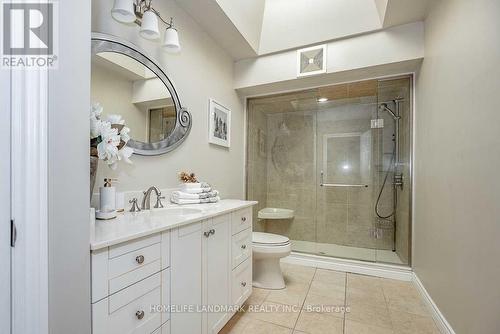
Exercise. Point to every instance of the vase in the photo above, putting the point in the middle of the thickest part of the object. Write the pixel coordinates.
(93, 171)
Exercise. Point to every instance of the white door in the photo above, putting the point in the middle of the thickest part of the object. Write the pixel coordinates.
(186, 279)
(5, 208)
(216, 271)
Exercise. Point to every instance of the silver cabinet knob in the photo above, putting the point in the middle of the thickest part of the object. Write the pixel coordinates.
(212, 231)
(139, 314)
(243, 284)
(243, 219)
(139, 259)
(243, 246)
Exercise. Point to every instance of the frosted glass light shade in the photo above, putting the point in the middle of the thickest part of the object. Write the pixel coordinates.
(149, 26)
(171, 41)
(123, 11)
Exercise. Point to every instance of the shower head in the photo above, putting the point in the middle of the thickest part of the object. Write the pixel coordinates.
(384, 107)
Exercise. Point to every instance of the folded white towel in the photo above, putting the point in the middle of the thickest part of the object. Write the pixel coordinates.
(185, 195)
(196, 190)
(185, 201)
(210, 200)
(194, 201)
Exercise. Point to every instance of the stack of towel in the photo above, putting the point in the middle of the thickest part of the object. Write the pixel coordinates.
(195, 193)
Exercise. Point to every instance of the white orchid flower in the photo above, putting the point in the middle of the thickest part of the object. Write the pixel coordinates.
(115, 119)
(96, 110)
(95, 127)
(107, 149)
(125, 153)
(124, 134)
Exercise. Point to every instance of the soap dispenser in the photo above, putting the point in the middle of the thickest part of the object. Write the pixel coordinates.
(107, 199)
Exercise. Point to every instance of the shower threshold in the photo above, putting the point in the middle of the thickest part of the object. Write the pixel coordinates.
(346, 252)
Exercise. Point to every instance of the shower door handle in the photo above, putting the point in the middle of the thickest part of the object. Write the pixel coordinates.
(321, 184)
(343, 185)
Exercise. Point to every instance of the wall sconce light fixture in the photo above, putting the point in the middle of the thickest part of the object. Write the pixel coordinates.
(142, 13)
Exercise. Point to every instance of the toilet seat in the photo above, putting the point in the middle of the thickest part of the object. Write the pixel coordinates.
(269, 239)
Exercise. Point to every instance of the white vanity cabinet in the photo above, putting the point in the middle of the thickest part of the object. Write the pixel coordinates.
(209, 247)
(184, 280)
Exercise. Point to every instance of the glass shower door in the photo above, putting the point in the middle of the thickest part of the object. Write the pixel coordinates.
(346, 152)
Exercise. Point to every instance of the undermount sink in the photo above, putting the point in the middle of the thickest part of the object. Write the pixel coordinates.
(276, 213)
(177, 211)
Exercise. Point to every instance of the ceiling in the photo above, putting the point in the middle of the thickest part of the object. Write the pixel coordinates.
(251, 28)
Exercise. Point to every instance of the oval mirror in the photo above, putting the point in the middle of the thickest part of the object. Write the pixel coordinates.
(128, 83)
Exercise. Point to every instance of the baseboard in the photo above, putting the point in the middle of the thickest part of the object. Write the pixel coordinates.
(352, 266)
(443, 325)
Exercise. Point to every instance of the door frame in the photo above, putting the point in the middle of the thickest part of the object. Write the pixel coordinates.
(5, 202)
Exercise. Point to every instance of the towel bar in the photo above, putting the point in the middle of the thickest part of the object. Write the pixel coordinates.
(343, 185)
(321, 184)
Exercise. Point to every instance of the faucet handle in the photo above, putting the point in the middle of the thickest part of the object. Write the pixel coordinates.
(159, 204)
(135, 207)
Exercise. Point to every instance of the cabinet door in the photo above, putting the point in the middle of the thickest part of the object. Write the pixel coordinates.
(186, 278)
(216, 271)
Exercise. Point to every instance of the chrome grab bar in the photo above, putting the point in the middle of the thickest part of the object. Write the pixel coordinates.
(321, 184)
(343, 185)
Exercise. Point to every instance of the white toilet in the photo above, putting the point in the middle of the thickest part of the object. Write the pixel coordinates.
(267, 250)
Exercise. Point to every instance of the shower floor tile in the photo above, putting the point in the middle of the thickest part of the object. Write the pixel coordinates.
(347, 252)
(368, 308)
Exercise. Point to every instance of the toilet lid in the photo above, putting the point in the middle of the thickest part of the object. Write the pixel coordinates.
(269, 239)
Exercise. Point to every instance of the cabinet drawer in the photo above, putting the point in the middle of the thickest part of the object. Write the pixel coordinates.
(241, 220)
(120, 266)
(130, 246)
(242, 282)
(129, 311)
(241, 247)
(134, 260)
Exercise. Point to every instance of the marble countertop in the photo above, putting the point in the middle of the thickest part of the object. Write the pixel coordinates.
(128, 226)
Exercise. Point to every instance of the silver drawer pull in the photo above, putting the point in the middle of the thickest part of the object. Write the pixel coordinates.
(139, 259)
(243, 219)
(243, 284)
(243, 246)
(139, 314)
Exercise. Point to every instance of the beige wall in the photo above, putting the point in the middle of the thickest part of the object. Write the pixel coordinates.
(201, 71)
(293, 24)
(247, 16)
(398, 44)
(457, 208)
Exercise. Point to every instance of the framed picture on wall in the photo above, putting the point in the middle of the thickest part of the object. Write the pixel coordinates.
(219, 124)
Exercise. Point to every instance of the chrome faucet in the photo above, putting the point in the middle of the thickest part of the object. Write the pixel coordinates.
(146, 200)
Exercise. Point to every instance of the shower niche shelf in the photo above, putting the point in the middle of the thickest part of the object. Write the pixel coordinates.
(276, 213)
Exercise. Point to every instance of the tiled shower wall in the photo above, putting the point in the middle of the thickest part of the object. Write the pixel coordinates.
(388, 90)
(257, 155)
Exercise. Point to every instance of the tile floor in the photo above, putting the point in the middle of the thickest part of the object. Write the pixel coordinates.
(312, 301)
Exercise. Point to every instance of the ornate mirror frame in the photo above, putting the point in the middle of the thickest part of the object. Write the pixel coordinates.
(109, 43)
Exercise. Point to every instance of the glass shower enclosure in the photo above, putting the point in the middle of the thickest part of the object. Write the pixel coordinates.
(340, 157)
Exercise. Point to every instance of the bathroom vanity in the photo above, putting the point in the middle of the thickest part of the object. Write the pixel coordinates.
(167, 270)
